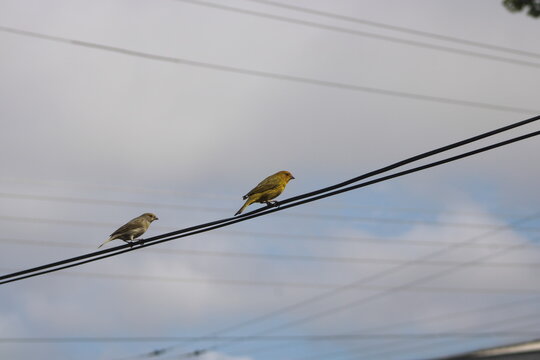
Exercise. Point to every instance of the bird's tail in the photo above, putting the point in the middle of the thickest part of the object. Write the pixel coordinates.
(246, 204)
(106, 241)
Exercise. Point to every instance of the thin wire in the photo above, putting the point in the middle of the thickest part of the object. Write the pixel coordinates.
(383, 351)
(281, 236)
(369, 298)
(137, 204)
(513, 344)
(361, 33)
(453, 315)
(337, 337)
(293, 285)
(534, 317)
(215, 196)
(327, 217)
(269, 75)
(397, 28)
(250, 215)
(362, 301)
(291, 257)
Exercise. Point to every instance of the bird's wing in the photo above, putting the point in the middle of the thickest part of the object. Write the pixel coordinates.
(269, 183)
(130, 226)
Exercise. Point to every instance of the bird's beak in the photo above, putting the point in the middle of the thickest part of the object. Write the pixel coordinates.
(292, 177)
(156, 218)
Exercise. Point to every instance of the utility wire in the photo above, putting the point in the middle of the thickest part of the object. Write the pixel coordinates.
(337, 337)
(383, 351)
(292, 257)
(295, 284)
(333, 292)
(371, 35)
(214, 196)
(366, 299)
(438, 319)
(270, 75)
(327, 217)
(426, 34)
(285, 204)
(529, 319)
(282, 236)
(138, 204)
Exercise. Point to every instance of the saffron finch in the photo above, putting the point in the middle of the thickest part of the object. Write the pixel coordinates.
(267, 189)
(133, 229)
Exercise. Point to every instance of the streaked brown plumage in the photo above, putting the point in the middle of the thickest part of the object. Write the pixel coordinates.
(267, 189)
(133, 229)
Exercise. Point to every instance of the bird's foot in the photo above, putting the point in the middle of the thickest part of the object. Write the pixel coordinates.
(273, 203)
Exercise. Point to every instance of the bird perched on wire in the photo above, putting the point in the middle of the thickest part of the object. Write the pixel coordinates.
(267, 189)
(133, 229)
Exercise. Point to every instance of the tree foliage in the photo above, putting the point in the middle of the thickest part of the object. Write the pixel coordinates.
(518, 5)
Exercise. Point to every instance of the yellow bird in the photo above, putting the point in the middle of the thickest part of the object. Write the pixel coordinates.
(133, 229)
(267, 189)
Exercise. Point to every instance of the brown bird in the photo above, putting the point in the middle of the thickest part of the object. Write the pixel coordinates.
(133, 229)
(267, 189)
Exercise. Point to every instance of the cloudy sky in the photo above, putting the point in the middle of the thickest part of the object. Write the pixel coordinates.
(179, 107)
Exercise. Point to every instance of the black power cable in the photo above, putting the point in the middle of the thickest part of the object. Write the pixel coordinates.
(303, 199)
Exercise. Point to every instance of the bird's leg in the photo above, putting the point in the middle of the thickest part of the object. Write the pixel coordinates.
(130, 243)
(272, 203)
(141, 241)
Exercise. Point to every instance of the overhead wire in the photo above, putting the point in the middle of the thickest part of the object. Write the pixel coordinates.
(301, 237)
(333, 337)
(409, 346)
(267, 74)
(291, 257)
(438, 319)
(293, 284)
(401, 29)
(515, 322)
(214, 196)
(366, 34)
(362, 301)
(139, 204)
(284, 204)
(432, 276)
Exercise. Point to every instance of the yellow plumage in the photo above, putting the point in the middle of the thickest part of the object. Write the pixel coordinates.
(266, 190)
